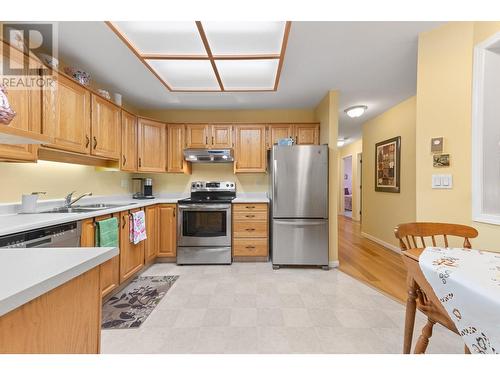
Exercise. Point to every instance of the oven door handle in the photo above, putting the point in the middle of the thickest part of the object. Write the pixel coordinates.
(205, 207)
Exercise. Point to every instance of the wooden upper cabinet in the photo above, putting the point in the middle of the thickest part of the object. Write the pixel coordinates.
(66, 115)
(306, 134)
(128, 161)
(197, 136)
(151, 146)
(106, 128)
(250, 148)
(167, 230)
(277, 132)
(175, 148)
(221, 136)
(27, 105)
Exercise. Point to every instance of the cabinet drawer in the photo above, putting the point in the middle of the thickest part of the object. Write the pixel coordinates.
(254, 247)
(249, 207)
(250, 229)
(250, 215)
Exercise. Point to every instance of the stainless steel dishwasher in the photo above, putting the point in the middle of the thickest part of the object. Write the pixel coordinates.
(61, 235)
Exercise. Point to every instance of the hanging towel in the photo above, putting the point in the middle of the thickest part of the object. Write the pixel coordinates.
(138, 227)
(106, 234)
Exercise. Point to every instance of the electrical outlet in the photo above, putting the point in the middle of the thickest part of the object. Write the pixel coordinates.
(124, 183)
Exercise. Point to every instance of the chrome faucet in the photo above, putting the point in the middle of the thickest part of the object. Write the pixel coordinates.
(69, 202)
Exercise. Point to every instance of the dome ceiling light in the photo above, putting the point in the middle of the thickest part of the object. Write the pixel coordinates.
(356, 111)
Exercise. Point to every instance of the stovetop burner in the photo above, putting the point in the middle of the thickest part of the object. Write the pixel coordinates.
(206, 200)
(208, 192)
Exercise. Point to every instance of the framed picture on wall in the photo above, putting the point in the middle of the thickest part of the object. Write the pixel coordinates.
(388, 165)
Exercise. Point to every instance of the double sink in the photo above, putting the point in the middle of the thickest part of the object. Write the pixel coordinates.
(84, 208)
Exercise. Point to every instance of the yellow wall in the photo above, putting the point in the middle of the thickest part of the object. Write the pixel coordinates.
(383, 211)
(352, 149)
(326, 113)
(57, 179)
(444, 108)
(251, 115)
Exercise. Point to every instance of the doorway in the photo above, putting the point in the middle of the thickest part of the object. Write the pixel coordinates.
(359, 185)
(347, 185)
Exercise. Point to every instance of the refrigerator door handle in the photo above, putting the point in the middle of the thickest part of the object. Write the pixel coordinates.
(275, 184)
(296, 222)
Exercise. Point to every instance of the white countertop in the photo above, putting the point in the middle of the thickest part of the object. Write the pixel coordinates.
(26, 274)
(251, 198)
(11, 222)
(14, 222)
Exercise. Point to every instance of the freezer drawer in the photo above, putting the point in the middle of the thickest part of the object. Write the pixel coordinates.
(300, 242)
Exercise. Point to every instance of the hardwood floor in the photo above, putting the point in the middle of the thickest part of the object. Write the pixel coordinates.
(370, 262)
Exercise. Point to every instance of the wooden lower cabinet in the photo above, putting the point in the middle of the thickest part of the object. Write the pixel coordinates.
(109, 270)
(131, 255)
(250, 231)
(167, 217)
(66, 320)
(151, 243)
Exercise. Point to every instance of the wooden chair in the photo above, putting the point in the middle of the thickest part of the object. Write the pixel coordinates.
(420, 293)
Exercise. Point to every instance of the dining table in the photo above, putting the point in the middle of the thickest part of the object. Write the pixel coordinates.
(464, 287)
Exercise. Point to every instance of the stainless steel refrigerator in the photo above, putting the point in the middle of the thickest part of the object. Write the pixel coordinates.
(299, 205)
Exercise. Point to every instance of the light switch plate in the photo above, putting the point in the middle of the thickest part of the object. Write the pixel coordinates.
(124, 183)
(442, 181)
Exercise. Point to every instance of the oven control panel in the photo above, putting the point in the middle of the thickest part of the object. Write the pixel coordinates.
(213, 186)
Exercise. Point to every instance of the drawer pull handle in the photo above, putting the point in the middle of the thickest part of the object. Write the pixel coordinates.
(250, 216)
(250, 247)
(250, 229)
(250, 207)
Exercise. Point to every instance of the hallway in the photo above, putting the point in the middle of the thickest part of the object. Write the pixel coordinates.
(370, 262)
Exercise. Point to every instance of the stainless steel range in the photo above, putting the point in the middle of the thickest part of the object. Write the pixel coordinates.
(204, 223)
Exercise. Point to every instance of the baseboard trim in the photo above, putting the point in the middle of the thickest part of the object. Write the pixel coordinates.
(380, 242)
(333, 264)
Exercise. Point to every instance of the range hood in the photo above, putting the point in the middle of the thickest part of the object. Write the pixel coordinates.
(200, 155)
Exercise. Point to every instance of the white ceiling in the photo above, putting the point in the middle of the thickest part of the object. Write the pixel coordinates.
(371, 63)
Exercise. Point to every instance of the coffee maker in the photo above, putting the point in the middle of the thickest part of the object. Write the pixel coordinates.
(142, 188)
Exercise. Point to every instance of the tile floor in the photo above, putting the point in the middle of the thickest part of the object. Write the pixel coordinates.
(250, 308)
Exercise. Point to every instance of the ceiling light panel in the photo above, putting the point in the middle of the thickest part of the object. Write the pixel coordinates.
(196, 75)
(248, 74)
(167, 38)
(244, 38)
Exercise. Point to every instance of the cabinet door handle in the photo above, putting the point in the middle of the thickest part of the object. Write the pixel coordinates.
(124, 160)
(212, 140)
(123, 220)
(140, 162)
(95, 142)
(206, 140)
(88, 141)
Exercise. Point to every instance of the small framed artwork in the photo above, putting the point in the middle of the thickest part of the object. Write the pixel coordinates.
(441, 160)
(388, 165)
(437, 144)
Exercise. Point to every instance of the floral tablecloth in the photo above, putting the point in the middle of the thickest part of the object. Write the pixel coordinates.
(467, 282)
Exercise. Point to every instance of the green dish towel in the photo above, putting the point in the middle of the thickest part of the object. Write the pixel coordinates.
(106, 233)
